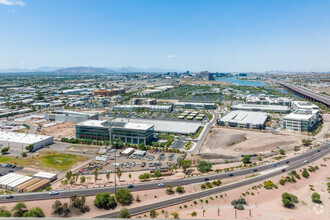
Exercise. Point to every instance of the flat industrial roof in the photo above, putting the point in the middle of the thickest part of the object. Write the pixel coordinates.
(92, 123)
(262, 107)
(301, 114)
(22, 137)
(137, 126)
(245, 117)
(164, 126)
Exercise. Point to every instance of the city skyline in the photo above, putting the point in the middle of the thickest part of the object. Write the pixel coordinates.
(222, 36)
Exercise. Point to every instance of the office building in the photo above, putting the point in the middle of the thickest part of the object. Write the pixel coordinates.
(261, 108)
(304, 105)
(134, 133)
(151, 108)
(301, 120)
(70, 116)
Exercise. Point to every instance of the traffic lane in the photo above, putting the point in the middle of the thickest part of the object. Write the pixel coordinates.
(182, 199)
(139, 187)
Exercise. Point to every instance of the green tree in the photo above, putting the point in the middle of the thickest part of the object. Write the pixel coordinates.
(82, 179)
(57, 207)
(104, 200)
(24, 154)
(180, 189)
(96, 173)
(289, 200)
(124, 213)
(5, 150)
(316, 198)
(282, 151)
(107, 175)
(153, 213)
(157, 174)
(306, 142)
(185, 164)
(19, 209)
(305, 173)
(68, 175)
(34, 212)
(124, 196)
(204, 166)
(29, 148)
(246, 159)
(4, 212)
(119, 173)
(130, 175)
(144, 176)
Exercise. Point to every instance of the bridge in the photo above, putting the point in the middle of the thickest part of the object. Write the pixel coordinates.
(307, 94)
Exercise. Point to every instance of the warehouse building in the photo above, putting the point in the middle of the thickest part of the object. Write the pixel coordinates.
(134, 133)
(70, 116)
(167, 126)
(44, 175)
(244, 119)
(21, 140)
(12, 185)
(301, 120)
(151, 108)
(268, 100)
(38, 185)
(127, 151)
(20, 188)
(194, 105)
(261, 108)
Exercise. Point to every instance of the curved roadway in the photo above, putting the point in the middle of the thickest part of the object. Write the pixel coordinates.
(310, 155)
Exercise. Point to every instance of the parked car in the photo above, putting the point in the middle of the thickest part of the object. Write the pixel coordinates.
(53, 193)
(10, 171)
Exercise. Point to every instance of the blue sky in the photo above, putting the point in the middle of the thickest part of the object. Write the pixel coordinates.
(214, 35)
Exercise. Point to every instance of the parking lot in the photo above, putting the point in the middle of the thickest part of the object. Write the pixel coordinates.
(8, 168)
(174, 115)
(149, 161)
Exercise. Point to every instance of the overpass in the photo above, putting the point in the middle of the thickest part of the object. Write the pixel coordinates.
(307, 94)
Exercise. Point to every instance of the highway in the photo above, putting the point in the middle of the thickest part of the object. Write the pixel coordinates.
(309, 94)
(310, 155)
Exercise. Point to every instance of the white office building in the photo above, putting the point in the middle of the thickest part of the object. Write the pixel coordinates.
(301, 120)
(244, 119)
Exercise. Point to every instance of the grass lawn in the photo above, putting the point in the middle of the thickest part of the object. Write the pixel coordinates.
(46, 159)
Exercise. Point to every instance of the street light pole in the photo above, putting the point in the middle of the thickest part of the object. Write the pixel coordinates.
(115, 145)
(159, 156)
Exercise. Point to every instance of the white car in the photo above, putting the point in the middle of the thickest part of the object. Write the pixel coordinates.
(161, 184)
(306, 161)
(53, 193)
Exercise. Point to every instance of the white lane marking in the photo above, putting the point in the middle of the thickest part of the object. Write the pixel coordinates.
(273, 170)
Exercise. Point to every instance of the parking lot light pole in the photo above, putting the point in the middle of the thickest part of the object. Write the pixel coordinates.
(159, 156)
(115, 145)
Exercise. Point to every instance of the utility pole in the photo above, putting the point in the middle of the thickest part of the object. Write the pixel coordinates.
(115, 145)
(159, 155)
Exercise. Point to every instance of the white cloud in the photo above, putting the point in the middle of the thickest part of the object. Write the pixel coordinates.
(12, 2)
(170, 56)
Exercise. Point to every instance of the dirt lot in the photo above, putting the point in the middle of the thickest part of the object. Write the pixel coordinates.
(60, 130)
(221, 141)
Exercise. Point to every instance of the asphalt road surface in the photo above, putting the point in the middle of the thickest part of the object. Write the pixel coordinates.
(310, 155)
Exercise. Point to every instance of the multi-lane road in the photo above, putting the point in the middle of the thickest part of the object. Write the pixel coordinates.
(292, 163)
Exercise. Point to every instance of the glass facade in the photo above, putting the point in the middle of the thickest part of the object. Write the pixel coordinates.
(93, 133)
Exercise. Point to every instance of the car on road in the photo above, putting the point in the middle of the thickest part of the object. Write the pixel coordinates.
(255, 170)
(274, 165)
(318, 150)
(53, 193)
(9, 197)
(10, 171)
(231, 174)
(206, 179)
(283, 170)
(161, 184)
(287, 161)
(130, 186)
(306, 161)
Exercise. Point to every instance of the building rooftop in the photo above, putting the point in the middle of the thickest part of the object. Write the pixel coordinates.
(301, 114)
(264, 107)
(245, 117)
(22, 137)
(137, 126)
(92, 123)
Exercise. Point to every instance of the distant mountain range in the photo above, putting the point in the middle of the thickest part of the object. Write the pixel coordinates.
(86, 70)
